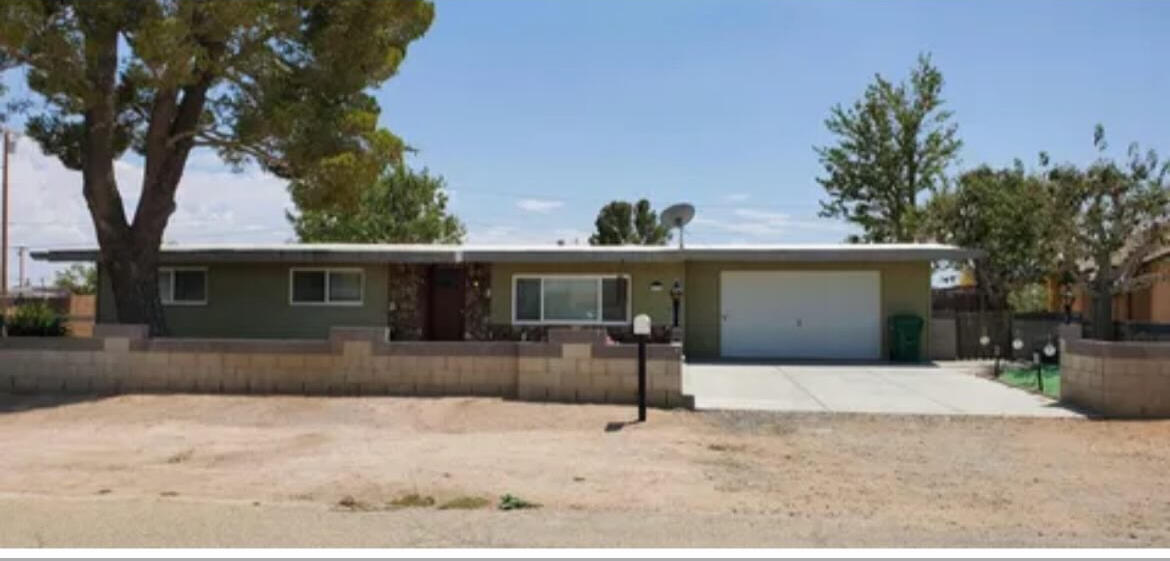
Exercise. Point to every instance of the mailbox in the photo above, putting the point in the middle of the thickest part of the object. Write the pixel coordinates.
(641, 324)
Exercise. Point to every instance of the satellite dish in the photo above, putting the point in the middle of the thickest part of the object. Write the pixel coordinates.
(677, 216)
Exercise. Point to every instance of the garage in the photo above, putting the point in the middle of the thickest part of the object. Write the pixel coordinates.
(800, 314)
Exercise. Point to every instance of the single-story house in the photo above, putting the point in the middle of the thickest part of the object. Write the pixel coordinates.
(775, 301)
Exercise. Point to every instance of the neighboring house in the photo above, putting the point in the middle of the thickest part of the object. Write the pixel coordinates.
(1147, 302)
(783, 301)
(78, 309)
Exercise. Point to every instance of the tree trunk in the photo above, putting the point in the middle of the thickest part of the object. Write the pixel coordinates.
(130, 251)
(133, 272)
(1103, 313)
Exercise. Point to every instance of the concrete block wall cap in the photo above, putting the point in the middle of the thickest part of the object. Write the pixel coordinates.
(578, 334)
(134, 331)
(1119, 349)
(358, 333)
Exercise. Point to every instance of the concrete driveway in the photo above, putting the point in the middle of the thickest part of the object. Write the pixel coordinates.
(932, 389)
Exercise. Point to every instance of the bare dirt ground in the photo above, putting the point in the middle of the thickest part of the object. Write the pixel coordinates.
(271, 471)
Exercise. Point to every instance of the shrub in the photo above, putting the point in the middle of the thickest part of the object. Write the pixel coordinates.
(512, 502)
(35, 319)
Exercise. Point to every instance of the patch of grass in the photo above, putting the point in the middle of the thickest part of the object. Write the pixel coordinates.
(512, 502)
(726, 447)
(181, 457)
(348, 502)
(413, 500)
(465, 503)
(1026, 378)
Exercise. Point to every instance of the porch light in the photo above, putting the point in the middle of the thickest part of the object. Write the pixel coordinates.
(676, 293)
(1067, 298)
(656, 286)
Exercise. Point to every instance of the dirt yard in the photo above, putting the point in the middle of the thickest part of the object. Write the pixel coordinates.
(289, 471)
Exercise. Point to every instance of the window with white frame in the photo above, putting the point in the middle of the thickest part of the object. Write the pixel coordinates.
(571, 299)
(341, 287)
(182, 285)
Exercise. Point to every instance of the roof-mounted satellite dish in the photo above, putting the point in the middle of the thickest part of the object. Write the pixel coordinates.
(677, 216)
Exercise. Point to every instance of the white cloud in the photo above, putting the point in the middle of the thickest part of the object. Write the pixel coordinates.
(500, 234)
(212, 206)
(539, 205)
(737, 197)
(762, 225)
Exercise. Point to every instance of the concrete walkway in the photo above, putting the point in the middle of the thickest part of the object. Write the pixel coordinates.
(949, 389)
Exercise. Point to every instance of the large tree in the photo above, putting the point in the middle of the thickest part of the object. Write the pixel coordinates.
(1111, 217)
(281, 84)
(1007, 213)
(893, 144)
(403, 206)
(622, 223)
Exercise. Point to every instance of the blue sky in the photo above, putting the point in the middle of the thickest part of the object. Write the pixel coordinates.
(537, 113)
(720, 103)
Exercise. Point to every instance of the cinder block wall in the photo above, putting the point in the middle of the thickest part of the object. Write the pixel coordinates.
(573, 366)
(1116, 378)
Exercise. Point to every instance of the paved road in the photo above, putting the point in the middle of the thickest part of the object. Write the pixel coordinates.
(944, 390)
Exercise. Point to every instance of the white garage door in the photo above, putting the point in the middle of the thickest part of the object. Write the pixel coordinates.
(801, 314)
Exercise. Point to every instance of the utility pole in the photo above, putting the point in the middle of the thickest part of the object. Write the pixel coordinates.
(23, 252)
(4, 220)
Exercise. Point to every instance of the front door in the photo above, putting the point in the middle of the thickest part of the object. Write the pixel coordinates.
(446, 305)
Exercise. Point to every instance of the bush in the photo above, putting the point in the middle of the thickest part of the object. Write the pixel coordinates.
(35, 319)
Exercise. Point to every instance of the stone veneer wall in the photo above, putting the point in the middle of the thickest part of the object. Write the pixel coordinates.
(1116, 378)
(573, 366)
(406, 319)
(477, 302)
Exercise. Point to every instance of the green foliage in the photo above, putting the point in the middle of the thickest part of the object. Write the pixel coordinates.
(77, 279)
(284, 85)
(35, 319)
(620, 223)
(1025, 377)
(1109, 217)
(512, 502)
(1007, 213)
(895, 143)
(402, 206)
(1029, 298)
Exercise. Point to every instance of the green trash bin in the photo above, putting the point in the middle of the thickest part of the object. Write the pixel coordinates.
(906, 338)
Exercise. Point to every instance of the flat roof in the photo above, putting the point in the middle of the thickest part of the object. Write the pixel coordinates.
(332, 253)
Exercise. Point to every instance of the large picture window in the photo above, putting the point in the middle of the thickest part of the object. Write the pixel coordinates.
(338, 287)
(571, 299)
(182, 285)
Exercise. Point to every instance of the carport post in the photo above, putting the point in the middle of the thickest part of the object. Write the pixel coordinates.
(642, 331)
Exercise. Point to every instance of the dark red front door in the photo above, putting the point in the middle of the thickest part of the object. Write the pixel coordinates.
(446, 305)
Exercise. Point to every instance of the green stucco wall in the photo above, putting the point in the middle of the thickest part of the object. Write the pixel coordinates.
(252, 301)
(905, 288)
(656, 304)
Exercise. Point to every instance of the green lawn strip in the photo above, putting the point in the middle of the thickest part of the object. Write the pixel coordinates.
(1026, 378)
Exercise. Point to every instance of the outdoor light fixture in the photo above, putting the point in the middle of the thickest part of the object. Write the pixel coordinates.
(656, 286)
(676, 293)
(1067, 297)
